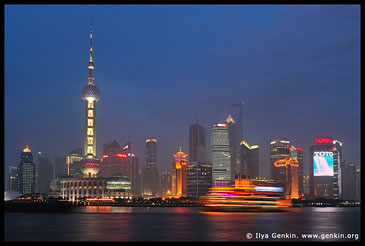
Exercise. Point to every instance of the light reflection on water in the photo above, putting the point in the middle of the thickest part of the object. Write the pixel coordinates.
(109, 223)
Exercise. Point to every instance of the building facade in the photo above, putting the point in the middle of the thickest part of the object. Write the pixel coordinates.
(26, 173)
(297, 153)
(337, 172)
(73, 160)
(179, 174)
(250, 160)
(150, 172)
(286, 172)
(45, 172)
(197, 145)
(235, 131)
(13, 178)
(321, 167)
(60, 166)
(165, 184)
(199, 178)
(220, 154)
(279, 149)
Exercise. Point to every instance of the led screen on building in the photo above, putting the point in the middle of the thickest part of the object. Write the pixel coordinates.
(323, 163)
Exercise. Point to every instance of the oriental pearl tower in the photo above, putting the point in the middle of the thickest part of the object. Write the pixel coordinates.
(90, 164)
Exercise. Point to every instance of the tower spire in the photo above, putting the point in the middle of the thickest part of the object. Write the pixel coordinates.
(91, 62)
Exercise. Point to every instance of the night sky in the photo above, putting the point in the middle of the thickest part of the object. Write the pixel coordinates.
(295, 67)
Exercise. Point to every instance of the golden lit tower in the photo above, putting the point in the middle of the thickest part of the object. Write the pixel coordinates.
(90, 164)
(178, 175)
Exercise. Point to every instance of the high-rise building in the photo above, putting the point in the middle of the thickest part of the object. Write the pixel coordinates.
(150, 172)
(220, 155)
(60, 166)
(321, 167)
(13, 178)
(26, 172)
(73, 160)
(235, 131)
(358, 185)
(90, 164)
(337, 172)
(197, 150)
(250, 160)
(306, 185)
(279, 149)
(117, 160)
(297, 153)
(286, 172)
(199, 178)
(45, 172)
(349, 188)
(166, 184)
(179, 174)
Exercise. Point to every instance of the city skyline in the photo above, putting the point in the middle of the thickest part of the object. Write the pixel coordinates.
(166, 111)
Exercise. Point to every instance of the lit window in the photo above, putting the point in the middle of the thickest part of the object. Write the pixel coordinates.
(91, 113)
(89, 140)
(90, 122)
(90, 131)
(90, 105)
(89, 149)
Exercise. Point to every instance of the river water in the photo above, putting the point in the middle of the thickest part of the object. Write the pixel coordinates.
(92, 223)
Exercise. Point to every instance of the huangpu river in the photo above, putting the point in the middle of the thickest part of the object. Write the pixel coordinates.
(108, 223)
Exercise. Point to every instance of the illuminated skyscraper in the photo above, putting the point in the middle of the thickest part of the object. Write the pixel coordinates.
(358, 184)
(90, 164)
(297, 153)
(286, 172)
(349, 189)
(178, 174)
(26, 173)
(337, 172)
(197, 150)
(117, 160)
(150, 173)
(73, 160)
(321, 167)
(220, 154)
(250, 160)
(279, 149)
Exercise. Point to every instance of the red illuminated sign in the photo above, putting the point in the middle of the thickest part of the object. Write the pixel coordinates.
(105, 156)
(323, 140)
(122, 155)
(299, 149)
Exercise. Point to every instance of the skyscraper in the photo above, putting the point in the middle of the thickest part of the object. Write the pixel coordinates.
(220, 154)
(26, 172)
(250, 160)
(286, 172)
(13, 178)
(321, 167)
(199, 178)
(165, 184)
(358, 184)
(60, 166)
(90, 164)
(150, 173)
(297, 153)
(337, 177)
(350, 182)
(179, 174)
(235, 129)
(197, 150)
(73, 160)
(45, 172)
(279, 149)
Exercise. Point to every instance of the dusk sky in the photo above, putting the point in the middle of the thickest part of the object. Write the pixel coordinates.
(295, 67)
